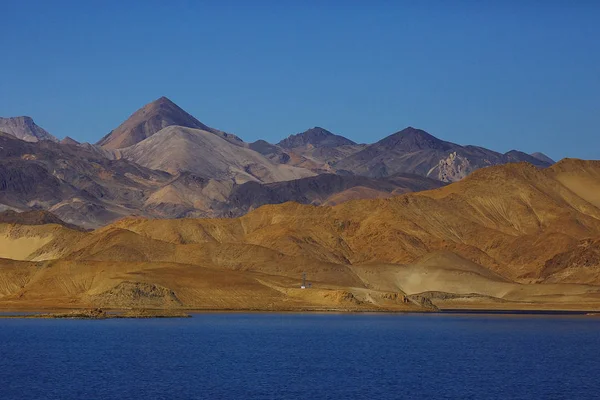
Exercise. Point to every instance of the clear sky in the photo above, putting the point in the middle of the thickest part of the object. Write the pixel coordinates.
(500, 74)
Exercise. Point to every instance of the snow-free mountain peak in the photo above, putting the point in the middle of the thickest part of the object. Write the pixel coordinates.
(25, 129)
(317, 137)
(148, 120)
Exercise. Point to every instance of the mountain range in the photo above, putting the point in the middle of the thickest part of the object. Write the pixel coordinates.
(164, 163)
(167, 212)
(509, 237)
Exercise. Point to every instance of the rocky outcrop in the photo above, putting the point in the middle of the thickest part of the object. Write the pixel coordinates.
(342, 297)
(580, 263)
(453, 168)
(422, 301)
(137, 294)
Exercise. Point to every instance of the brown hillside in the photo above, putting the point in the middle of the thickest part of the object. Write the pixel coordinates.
(511, 219)
(511, 236)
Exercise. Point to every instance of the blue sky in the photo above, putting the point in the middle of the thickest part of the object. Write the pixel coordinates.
(500, 74)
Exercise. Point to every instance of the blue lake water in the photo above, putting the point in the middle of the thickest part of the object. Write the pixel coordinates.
(303, 356)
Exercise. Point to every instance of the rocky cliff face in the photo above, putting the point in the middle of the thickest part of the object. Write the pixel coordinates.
(452, 169)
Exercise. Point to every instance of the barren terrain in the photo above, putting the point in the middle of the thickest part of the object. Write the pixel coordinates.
(506, 237)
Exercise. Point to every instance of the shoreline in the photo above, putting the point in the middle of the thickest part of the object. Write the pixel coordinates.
(98, 314)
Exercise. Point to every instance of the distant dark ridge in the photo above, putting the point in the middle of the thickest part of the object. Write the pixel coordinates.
(315, 136)
(314, 189)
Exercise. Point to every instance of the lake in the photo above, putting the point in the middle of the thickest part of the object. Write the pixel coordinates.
(308, 356)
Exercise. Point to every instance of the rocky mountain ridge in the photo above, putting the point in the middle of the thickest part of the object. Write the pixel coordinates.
(416, 151)
(163, 162)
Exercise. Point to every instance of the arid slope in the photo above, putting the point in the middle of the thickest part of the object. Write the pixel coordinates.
(512, 236)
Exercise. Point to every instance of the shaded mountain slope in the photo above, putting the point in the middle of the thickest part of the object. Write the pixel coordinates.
(319, 189)
(189, 195)
(279, 155)
(543, 157)
(78, 185)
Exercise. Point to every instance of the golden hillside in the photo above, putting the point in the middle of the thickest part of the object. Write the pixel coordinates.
(501, 238)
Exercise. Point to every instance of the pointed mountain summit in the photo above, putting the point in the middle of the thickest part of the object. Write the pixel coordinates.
(417, 152)
(148, 120)
(519, 156)
(25, 129)
(410, 140)
(317, 137)
(69, 140)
